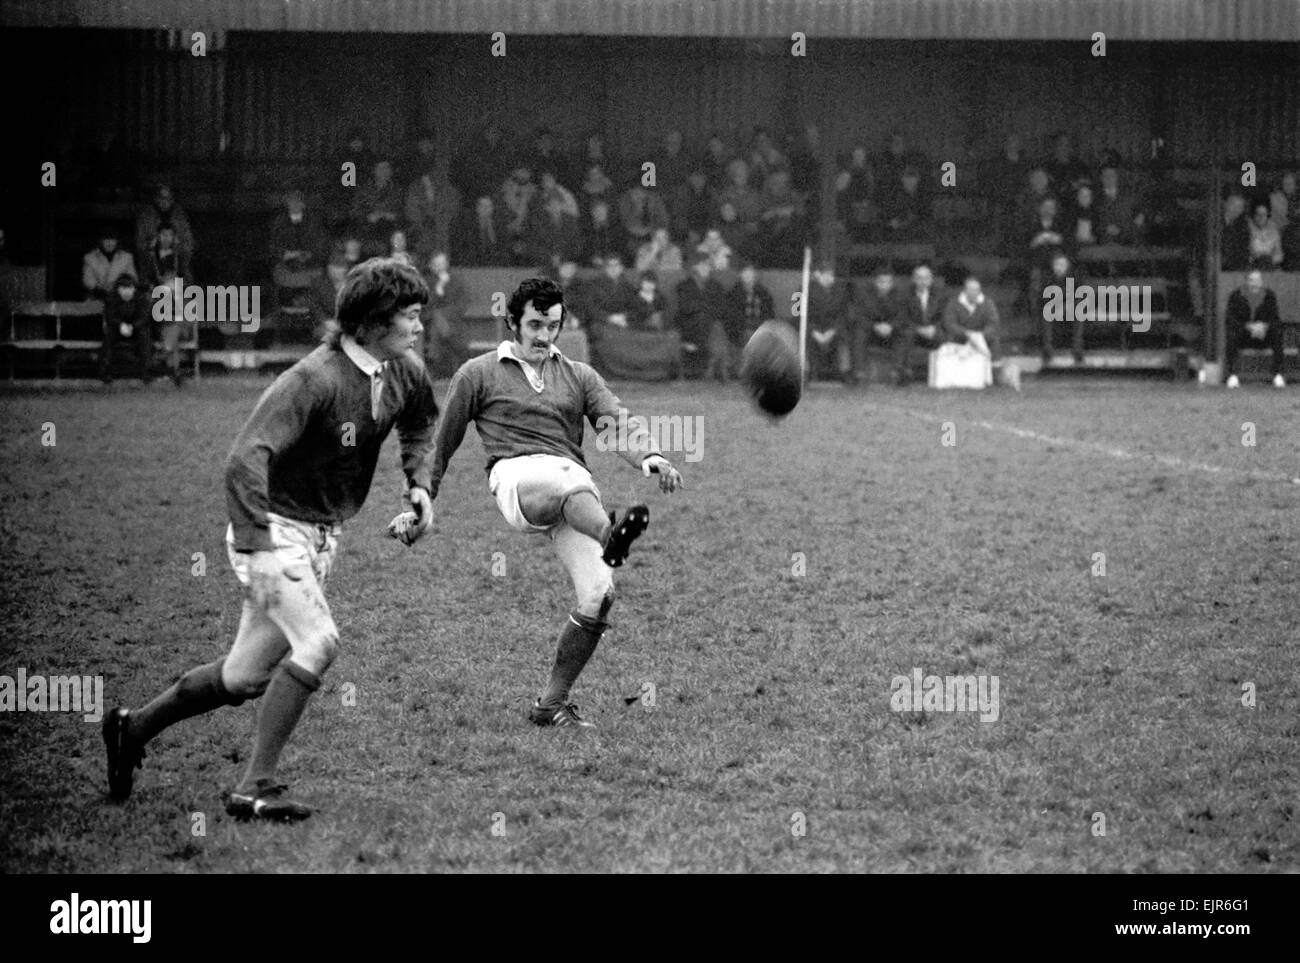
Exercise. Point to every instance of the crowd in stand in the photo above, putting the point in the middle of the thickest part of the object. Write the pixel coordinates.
(715, 212)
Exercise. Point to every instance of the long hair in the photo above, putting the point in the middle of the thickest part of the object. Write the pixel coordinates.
(374, 291)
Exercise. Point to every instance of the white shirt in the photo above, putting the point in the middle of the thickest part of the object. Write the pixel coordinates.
(370, 366)
(506, 350)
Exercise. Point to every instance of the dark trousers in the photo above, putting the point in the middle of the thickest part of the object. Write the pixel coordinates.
(141, 337)
(1239, 337)
(911, 348)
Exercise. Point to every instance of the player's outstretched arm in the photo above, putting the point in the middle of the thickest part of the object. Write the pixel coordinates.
(670, 479)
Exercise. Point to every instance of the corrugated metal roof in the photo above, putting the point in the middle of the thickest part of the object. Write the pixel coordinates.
(1269, 20)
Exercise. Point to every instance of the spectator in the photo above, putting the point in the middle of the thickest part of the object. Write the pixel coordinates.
(126, 318)
(325, 293)
(478, 237)
(338, 196)
(545, 154)
(1252, 321)
(879, 330)
(896, 157)
(1284, 202)
(356, 150)
(399, 248)
(717, 158)
(432, 205)
(596, 186)
(1084, 227)
(1234, 243)
(1265, 239)
(377, 207)
(425, 158)
(751, 302)
(609, 296)
(1059, 272)
(905, 208)
(516, 202)
(854, 188)
(1004, 175)
(164, 260)
(735, 239)
(296, 245)
(640, 214)
(646, 310)
(104, 264)
(592, 153)
(443, 316)
(764, 156)
(744, 200)
(1119, 219)
(599, 231)
(829, 324)
(921, 317)
(352, 250)
(716, 249)
(692, 207)
(1064, 169)
(671, 166)
(806, 167)
(163, 210)
(971, 318)
(659, 254)
(702, 312)
(1046, 235)
(553, 228)
(781, 224)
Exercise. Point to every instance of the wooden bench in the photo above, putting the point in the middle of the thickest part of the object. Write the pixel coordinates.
(62, 326)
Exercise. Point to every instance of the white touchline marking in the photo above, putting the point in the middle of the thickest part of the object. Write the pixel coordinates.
(1169, 461)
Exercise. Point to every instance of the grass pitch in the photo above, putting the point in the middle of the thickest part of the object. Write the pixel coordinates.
(765, 614)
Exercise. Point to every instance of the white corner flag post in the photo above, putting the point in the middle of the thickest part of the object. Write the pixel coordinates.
(803, 317)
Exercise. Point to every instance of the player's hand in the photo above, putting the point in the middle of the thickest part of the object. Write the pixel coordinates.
(265, 570)
(670, 479)
(422, 505)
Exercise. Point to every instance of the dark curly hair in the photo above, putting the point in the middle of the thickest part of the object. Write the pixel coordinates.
(542, 293)
(375, 290)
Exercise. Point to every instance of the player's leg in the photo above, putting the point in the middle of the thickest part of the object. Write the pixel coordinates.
(593, 583)
(557, 490)
(300, 612)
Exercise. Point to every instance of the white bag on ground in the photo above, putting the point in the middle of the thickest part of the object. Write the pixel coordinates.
(960, 366)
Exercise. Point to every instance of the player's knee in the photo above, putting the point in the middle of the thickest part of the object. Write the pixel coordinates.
(241, 684)
(597, 600)
(320, 654)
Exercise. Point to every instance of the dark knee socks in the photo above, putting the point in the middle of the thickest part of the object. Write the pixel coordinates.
(197, 691)
(578, 640)
(282, 706)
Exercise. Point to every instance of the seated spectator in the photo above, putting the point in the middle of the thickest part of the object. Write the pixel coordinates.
(640, 214)
(1061, 269)
(1119, 218)
(854, 188)
(1025, 208)
(1084, 229)
(922, 316)
(692, 208)
(399, 248)
(425, 158)
(553, 225)
(593, 153)
(806, 165)
(1003, 176)
(897, 157)
(478, 236)
(671, 165)
(126, 318)
(1284, 202)
(432, 205)
(164, 261)
(781, 223)
(659, 254)
(1252, 321)
(905, 208)
(599, 231)
(163, 210)
(609, 296)
(1064, 169)
(702, 315)
(751, 302)
(1234, 243)
(545, 154)
(515, 203)
(596, 186)
(1046, 235)
(735, 239)
(1265, 240)
(377, 207)
(716, 249)
(352, 250)
(325, 292)
(647, 307)
(763, 156)
(295, 247)
(880, 327)
(717, 158)
(745, 201)
(445, 345)
(104, 264)
(829, 325)
(971, 318)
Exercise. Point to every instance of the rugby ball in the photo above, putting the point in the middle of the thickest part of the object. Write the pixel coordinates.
(769, 368)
